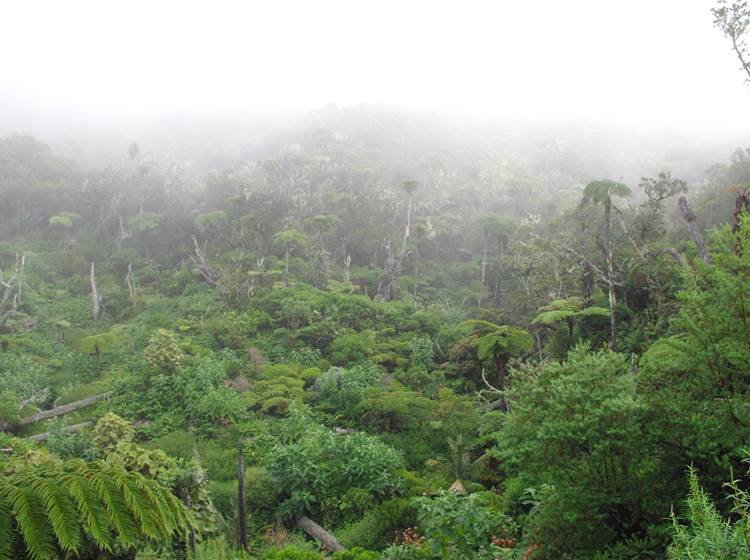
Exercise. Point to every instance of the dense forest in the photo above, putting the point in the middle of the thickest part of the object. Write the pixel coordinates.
(376, 335)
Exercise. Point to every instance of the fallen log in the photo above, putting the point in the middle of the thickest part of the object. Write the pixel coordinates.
(61, 410)
(44, 436)
(319, 534)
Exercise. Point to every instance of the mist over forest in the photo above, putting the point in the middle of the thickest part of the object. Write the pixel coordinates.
(356, 281)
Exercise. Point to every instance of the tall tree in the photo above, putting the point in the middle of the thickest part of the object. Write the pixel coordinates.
(289, 240)
(600, 193)
(733, 20)
(394, 262)
(496, 229)
(496, 345)
(322, 224)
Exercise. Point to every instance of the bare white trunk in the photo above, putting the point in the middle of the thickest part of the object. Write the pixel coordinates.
(95, 299)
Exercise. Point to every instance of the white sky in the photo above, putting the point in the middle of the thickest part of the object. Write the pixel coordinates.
(640, 61)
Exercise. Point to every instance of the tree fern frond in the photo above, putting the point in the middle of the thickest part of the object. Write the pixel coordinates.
(52, 510)
(553, 316)
(32, 523)
(117, 511)
(60, 510)
(6, 524)
(91, 511)
(593, 312)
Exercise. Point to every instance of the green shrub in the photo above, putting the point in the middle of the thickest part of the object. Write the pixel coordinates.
(110, 430)
(310, 470)
(356, 554)
(292, 552)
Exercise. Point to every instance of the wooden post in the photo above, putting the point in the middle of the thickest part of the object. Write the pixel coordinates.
(241, 495)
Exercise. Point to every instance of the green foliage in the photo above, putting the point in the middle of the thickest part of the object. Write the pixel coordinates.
(64, 219)
(342, 389)
(96, 344)
(9, 409)
(586, 455)
(210, 220)
(495, 341)
(50, 509)
(420, 352)
(396, 411)
(291, 238)
(217, 549)
(461, 526)
(110, 430)
(406, 552)
(163, 351)
(356, 554)
(569, 308)
(351, 348)
(310, 472)
(707, 535)
(601, 192)
(144, 222)
(291, 553)
(70, 445)
(578, 426)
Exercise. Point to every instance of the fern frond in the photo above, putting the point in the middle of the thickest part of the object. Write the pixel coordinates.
(53, 510)
(117, 511)
(32, 523)
(60, 510)
(90, 509)
(6, 523)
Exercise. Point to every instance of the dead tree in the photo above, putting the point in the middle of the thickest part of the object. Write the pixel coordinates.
(96, 300)
(209, 274)
(130, 280)
(62, 410)
(689, 216)
(347, 265)
(12, 290)
(390, 278)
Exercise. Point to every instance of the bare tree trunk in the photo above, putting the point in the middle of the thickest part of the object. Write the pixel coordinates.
(347, 264)
(62, 410)
(209, 275)
(407, 229)
(689, 216)
(497, 292)
(10, 299)
(416, 283)
(20, 266)
(130, 280)
(484, 260)
(484, 268)
(319, 534)
(44, 436)
(610, 275)
(390, 278)
(286, 267)
(95, 299)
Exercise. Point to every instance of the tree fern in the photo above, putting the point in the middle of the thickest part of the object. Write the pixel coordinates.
(47, 510)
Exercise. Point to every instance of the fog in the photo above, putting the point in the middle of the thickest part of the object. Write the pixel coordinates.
(94, 73)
